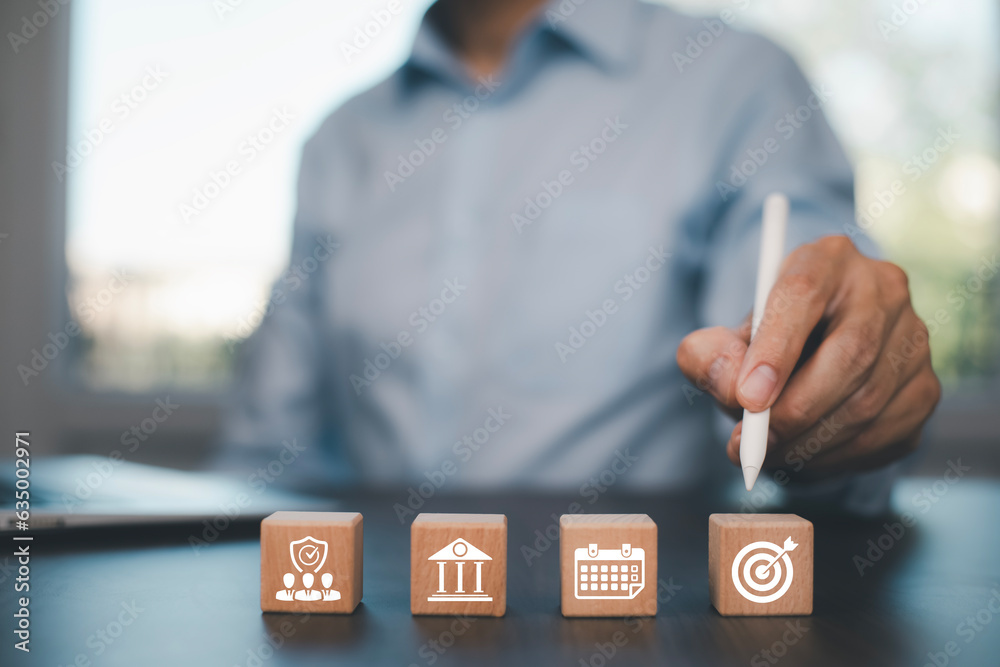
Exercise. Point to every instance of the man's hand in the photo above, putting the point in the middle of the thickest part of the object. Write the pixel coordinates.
(840, 357)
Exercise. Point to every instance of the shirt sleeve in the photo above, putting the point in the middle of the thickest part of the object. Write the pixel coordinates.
(782, 142)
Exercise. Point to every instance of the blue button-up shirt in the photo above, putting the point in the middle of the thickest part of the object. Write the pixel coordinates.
(490, 277)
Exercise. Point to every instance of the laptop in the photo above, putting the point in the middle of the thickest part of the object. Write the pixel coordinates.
(94, 491)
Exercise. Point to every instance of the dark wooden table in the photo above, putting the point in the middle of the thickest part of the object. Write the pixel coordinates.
(143, 597)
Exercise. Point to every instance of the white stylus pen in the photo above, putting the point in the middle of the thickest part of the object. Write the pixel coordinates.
(753, 440)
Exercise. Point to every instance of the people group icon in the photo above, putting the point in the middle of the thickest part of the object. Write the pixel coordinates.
(308, 553)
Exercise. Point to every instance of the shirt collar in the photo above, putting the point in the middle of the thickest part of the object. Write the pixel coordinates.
(430, 54)
(601, 30)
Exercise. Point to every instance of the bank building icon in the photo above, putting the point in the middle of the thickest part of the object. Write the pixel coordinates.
(460, 566)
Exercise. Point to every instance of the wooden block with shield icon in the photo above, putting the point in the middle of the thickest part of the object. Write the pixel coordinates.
(311, 562)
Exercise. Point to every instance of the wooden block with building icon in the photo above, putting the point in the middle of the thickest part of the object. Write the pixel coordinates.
(458, 564)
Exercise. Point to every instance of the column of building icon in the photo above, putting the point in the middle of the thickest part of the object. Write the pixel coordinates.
(758, 564)
(459, 552)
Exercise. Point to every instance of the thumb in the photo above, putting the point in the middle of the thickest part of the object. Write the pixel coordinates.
(711, 359)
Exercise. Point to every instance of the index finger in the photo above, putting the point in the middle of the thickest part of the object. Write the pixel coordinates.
(797, 302)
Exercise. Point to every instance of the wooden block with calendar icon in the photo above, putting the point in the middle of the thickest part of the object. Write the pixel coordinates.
(607, 564)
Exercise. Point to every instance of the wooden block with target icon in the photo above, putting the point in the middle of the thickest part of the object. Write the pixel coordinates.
(311, 562)
(760, 564)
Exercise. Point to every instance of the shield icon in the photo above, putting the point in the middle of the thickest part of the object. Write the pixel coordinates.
(308, 554)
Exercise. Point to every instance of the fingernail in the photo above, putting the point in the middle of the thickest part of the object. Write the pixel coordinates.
(757, 388)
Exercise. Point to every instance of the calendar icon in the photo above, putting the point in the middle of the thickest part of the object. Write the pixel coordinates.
(609, 574)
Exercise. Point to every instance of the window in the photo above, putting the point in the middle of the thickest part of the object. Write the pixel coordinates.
(186, 121)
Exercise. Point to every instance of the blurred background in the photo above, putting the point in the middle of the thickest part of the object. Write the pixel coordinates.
(119, 117)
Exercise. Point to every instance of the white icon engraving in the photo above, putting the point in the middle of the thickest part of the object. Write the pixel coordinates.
(288, 594)
(308, 555)
(460, 552)
(308, 595)
(328, 593)
(752, 565)
(609, 574)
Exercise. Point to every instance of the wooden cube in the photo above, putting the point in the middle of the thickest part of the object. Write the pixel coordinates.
(458, 564)
(607, 564)
(760, 564)
(311, 562)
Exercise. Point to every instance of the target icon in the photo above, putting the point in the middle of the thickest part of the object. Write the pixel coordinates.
(765, 569)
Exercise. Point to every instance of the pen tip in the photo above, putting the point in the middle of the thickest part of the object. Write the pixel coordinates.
(750, 476)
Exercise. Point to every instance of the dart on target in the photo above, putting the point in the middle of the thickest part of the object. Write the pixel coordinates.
(762, 571)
